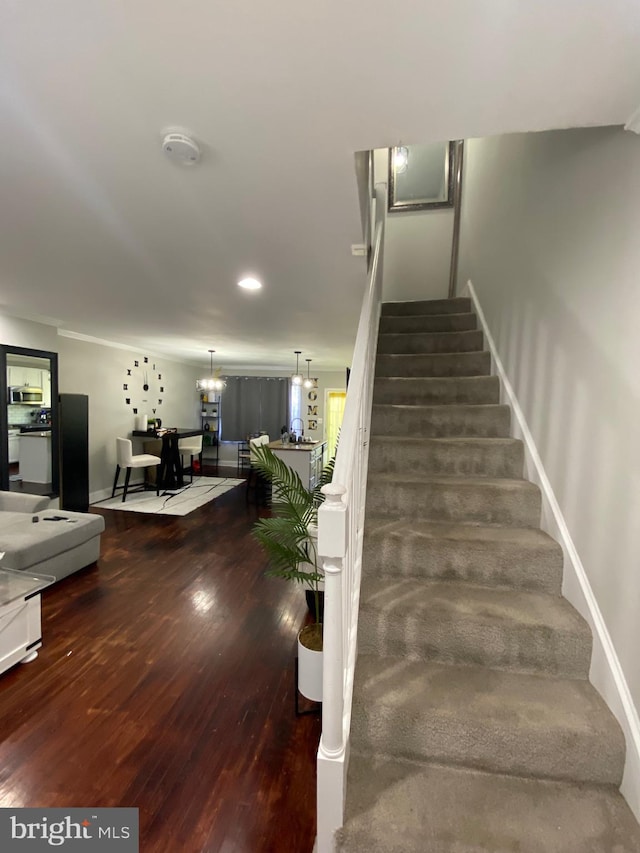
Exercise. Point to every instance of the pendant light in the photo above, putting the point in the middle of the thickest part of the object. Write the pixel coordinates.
(214, 382)
(297, 378)
(308, 382)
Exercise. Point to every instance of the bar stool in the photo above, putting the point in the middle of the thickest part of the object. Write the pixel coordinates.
(244, 456)
(190, 446)
(126, 459)
(257, 483)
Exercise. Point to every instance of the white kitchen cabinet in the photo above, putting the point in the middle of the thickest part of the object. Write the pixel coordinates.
(45, 384)
(14, 447)
(35, 457)
(306, 459)
(20, 376)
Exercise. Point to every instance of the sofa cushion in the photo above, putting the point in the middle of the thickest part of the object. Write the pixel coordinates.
(9, 520)
(20, 502)
(26, 543)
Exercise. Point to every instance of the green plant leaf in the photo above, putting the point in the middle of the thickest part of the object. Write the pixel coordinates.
(285, 536)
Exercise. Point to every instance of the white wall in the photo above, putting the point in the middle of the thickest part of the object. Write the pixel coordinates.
(101, 371)
(417, 251)
(25, 333)
(550, 243)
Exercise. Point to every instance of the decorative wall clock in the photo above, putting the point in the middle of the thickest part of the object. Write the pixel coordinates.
(143, 387)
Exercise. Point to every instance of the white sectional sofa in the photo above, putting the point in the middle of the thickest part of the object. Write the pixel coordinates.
(46, 541)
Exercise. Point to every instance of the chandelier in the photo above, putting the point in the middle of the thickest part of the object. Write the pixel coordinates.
(214, 382)
(297, 378)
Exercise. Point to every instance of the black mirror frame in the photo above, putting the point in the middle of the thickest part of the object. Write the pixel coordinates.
(6, 349)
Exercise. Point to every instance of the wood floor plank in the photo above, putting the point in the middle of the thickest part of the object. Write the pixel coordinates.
(166, 682)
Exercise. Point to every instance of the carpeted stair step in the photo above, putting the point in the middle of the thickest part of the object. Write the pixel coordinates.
(430, 342)
(457, 305)
(435, 364)
(512, 503)
(459, 623)
(428, 323)
(492, 556)
(463, 322)
(403, 807)
(468, 457)
(457, 419)
(487, 719)
(406, 390)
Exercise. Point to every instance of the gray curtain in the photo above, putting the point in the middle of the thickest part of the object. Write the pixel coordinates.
(254, 404)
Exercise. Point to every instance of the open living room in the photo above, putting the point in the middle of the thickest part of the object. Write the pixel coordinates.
(319, 401)
(160, 673)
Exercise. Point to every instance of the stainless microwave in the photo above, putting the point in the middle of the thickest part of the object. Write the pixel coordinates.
(25, 394)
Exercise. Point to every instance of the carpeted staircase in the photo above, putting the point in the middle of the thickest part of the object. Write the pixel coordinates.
(474, 729)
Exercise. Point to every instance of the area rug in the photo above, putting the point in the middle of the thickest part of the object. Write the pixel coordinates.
(175, 501)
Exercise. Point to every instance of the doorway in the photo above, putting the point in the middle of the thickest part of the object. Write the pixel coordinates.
(29, 421)
(334, 408)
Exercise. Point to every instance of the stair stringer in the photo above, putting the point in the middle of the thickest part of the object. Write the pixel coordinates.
(605, 673)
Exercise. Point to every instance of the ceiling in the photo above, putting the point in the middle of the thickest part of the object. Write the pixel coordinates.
(101, 235)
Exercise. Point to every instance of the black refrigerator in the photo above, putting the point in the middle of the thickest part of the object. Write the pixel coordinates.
(73, 438)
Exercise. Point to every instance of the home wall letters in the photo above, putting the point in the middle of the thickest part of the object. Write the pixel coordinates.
(312, 406)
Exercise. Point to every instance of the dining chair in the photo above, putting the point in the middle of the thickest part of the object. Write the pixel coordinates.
(244, 456)
(257, 484)
(190, 446)
(126, 460)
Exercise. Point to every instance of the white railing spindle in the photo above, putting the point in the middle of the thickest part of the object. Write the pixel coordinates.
(340, 535)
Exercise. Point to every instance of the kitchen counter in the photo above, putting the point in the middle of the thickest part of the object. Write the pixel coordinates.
(303, 445)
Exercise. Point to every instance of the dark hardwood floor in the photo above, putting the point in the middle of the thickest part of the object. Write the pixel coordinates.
(166, 682)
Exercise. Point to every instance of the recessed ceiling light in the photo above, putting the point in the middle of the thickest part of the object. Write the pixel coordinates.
(250, 283)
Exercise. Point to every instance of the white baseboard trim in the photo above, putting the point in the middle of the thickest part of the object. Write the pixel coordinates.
(605, 674)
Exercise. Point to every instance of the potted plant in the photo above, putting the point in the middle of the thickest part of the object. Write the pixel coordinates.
(289, 538)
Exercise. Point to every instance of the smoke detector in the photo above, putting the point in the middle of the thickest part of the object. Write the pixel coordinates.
(180, 148)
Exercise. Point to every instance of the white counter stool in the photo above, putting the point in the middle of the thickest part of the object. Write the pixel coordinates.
(126, 459)
(190, 446)
(257, 483)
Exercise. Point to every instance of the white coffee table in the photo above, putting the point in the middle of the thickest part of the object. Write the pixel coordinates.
(20, 625)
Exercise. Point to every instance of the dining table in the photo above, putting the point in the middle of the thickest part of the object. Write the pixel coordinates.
(170, 474)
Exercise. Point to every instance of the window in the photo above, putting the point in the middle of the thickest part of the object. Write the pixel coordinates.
(295, 407)
(253, 404)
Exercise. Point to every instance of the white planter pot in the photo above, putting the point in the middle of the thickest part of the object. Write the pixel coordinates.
(309, 669)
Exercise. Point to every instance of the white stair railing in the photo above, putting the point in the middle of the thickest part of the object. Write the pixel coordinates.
(340, 533)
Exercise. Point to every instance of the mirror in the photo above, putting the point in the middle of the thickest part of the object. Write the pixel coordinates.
(421, 176)
(28, 421)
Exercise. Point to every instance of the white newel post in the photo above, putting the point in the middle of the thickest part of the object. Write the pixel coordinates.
(332, 539)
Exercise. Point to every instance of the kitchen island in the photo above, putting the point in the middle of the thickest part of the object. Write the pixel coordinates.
(35, 457)
(306, 458)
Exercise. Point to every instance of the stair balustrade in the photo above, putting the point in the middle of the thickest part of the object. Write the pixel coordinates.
(340, 536)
